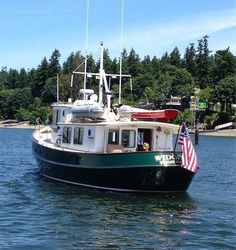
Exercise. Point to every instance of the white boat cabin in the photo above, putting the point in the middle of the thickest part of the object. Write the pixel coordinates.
(108, 136)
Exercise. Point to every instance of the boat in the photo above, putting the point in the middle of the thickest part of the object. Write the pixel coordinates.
(166, 115)
(87, 107)
(93, 143)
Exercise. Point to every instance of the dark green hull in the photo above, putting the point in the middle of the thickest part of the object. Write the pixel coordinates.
(130, 172)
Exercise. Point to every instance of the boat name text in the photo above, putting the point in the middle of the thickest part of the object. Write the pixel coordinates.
(170, 159)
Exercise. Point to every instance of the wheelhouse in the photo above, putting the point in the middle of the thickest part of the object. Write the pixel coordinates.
(111, 137)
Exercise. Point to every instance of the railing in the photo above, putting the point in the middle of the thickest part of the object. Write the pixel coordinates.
(39, 124)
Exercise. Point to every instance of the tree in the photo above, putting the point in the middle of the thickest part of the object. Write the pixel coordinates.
(6, 100)
(22, 79)
(175, 57)
(68, 65)
(203, 63)
(3, 77)
(74, 61)
(225, 92)
(146, 65)
(42, 113)
(31, 78)
(40, 78)
(156, 66)
(190, 59)
(11, 82)
(133, 62)
(22, 114)
(165, 58)
(185, 116)
(64, 87)
(206, 94)
(124, 56)
(49, 93)
(140, 83)
(182, 82)
(153, 78)
(224, 66)
(13, 99)
(107, 62)
(163, 88)
(211, 120)
(54, 64)
(37, 103)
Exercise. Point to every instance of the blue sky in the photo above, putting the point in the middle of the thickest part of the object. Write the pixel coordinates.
(32, 29)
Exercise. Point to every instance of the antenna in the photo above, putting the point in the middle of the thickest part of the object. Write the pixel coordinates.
(101, 72)
(121, 47)
(86, 47)
(71, 85)
(57, 87)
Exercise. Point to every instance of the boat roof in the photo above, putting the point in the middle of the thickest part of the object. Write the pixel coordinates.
(125, 124)
(62, 104)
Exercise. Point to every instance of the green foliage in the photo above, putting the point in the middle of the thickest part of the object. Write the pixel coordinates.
(190, 59)
(13, 99)
(203, 63)
(27, 94)
(72, 62)
(22, 114)
(225, 91)
(54, 64)
(224, 65)
(140, 83)
(186, 116)
(175, 58)
(49, 92)
(211, 120)
(206, 94)
(180, 81)
(40, 78)
(133, 62)
(42, 113)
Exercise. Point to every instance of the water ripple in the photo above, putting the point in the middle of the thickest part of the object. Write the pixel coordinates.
(39, 214)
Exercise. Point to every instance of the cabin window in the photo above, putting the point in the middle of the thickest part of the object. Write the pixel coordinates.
(144, 138)
(78, 135)
(56, 116)
(128, 138)
(140, 137)
(66, 135)
(113, 137)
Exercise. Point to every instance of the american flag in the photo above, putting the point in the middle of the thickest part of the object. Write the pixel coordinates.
(189, 157)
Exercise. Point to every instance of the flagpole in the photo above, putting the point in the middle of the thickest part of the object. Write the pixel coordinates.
(177, 137)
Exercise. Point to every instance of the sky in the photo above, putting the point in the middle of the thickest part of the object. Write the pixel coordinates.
(31, 29)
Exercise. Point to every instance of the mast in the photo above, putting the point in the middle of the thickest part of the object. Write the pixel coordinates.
(101, 73)
(86, 48)
(121, 47)
(57, 87)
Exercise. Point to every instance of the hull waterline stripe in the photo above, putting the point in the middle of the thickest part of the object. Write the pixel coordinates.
(95, 167)
(109, 189)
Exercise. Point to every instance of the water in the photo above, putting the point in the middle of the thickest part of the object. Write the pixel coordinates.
(39, 214)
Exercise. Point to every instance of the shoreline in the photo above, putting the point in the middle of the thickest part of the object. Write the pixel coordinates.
(18, 126)
(219, 133)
